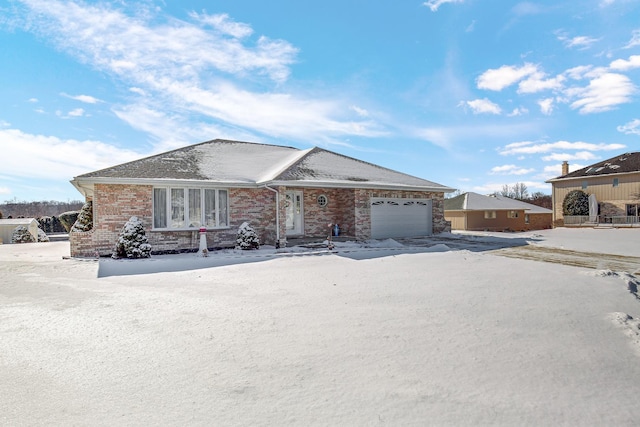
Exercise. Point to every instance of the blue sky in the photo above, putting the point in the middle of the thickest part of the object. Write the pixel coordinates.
(472, 94)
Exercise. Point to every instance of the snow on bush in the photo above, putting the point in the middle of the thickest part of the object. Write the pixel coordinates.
(42, 236)
(247, 237)
(132, 242)
(85, 218)
(21, 235)
(576, 202)
(67, 219)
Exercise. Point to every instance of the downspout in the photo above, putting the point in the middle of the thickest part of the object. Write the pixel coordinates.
(277, 214)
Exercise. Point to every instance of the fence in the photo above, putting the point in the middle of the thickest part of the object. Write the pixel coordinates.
(589, 221)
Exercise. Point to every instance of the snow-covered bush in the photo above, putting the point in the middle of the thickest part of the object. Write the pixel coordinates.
(42, 236)
(132, 242)
(85, 218)
(68, 219)
(21, 235)
(247, 237)
(576, 202)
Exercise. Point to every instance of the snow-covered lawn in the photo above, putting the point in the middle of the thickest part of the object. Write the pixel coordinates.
(384, 335)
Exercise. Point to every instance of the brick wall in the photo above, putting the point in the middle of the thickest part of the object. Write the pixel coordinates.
(340, 210)
(363, 209)
(114, 204)
(539, 221)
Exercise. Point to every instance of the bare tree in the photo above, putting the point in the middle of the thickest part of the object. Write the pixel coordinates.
(520, 191)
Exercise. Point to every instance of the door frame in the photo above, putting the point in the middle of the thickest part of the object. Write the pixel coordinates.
(294, 196)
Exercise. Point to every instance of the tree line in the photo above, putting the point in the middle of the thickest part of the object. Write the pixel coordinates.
(519, 191)
(21, 209)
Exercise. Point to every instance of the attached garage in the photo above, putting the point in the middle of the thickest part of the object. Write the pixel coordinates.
(395, 217)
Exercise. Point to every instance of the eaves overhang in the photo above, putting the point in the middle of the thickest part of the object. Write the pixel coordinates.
(583, 177)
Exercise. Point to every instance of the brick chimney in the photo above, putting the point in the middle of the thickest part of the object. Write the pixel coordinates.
(565, 168)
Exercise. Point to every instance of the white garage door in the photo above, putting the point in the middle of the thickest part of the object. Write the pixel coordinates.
(400, 217)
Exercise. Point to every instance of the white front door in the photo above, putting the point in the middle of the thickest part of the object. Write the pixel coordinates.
(294, 213)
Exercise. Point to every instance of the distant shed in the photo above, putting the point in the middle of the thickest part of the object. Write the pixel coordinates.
(7, 226)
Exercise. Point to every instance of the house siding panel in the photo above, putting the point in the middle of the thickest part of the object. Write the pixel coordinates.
(477, 221)
(612, 199)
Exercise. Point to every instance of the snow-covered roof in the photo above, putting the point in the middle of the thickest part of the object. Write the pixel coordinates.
(245, 164)
(17, 221)
(478, 202)
(623, 163)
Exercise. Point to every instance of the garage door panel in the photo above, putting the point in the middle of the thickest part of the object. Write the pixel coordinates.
(400, 217)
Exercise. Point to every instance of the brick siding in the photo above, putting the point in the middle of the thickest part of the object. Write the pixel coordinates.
(114, 204)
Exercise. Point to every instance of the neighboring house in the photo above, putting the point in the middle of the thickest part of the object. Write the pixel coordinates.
(472, 211)
(281, 191)
(8, 226)
(614, 182)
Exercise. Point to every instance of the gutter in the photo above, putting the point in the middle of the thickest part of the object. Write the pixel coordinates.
(277, 213)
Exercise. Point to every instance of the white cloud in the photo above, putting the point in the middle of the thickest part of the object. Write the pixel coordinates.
(435, 4)
(580, 155)
(625, 65)
(554, 171)
(224, 24)
(537, 82)
(603, 93)
(579, 72)
(33, 100)
(631, 128)
(581, 42)
(546, 106)
(510, 170)
(500, 78)
(190, 69)
(447, 136)
(483, 106)
(5, 190)
(359, 111)
(518, 111)
(530, 147)
(87, 99)
(635, 39)
(77, 112)
(137, 90)
(54, 158)
(141, 49)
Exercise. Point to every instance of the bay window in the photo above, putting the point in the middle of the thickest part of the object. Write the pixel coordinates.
(183, 208)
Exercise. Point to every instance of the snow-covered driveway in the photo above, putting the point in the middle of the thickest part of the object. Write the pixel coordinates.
(375, 337)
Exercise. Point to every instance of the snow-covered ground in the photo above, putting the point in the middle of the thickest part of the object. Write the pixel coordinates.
(378, 335)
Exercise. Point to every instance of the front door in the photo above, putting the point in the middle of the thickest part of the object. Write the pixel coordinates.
(294, 213)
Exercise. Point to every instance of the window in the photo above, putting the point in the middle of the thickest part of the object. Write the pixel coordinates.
(526, 218)
(633, 210)
(584, 185)
(322, 200)
(489, 214)
(180, 208)
(615, 182)
(512, 214)
(159, 208)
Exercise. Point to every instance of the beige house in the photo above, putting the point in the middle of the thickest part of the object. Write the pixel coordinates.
(475, 212)
(283, 192)
(615, 184)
